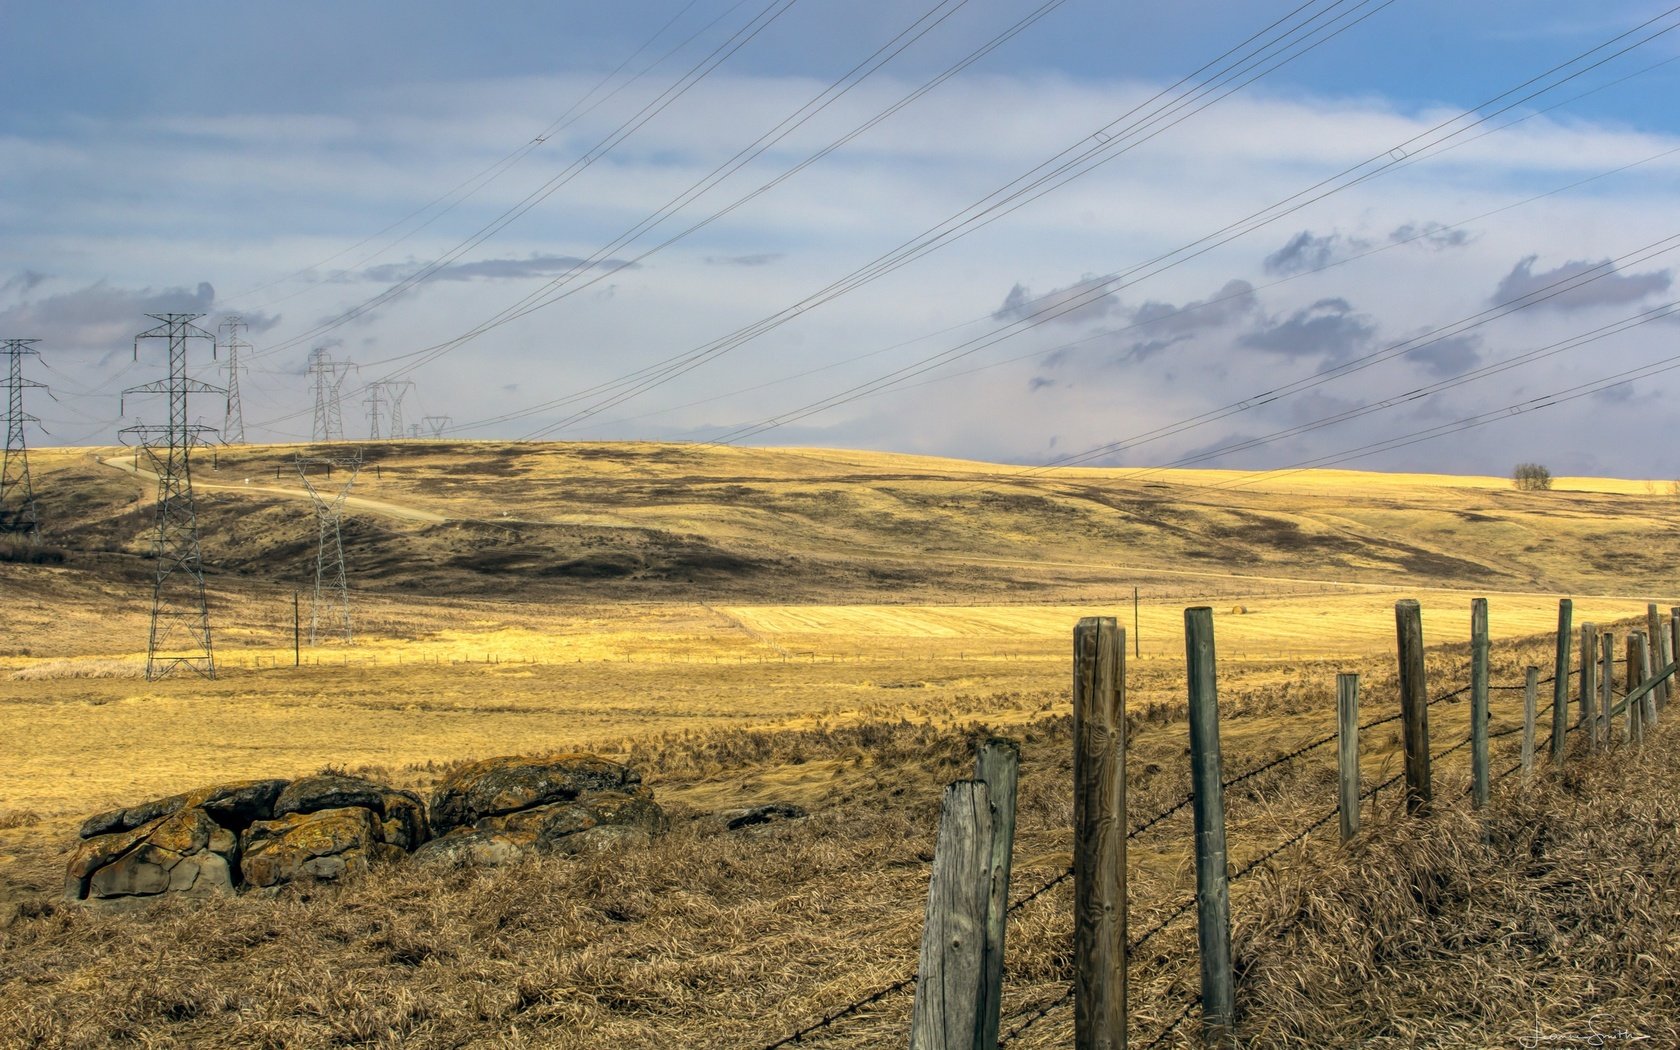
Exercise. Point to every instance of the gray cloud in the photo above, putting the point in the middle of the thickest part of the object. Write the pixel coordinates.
(760, 259)
(1168, 324)
(23, 283)
(487, 269)
(1430, 235)
(1037, 383)
(1021, 303)
(1449, 356)
(98, 318)
(1612, 288)
(1303, 252)
(1328, 328)
(1309, 251)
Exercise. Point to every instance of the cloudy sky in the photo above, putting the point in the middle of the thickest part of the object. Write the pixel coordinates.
(1249, 235)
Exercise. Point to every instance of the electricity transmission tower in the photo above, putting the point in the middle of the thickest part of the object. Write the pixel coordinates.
(329, 384)
(395, 391)
(414, 431)
(436, 424)
(233, 423)
(180, 632)
(375, 399)
(17, 495)
(330, 599)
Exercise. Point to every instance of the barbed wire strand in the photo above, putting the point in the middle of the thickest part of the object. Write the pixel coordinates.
(1038, 1015)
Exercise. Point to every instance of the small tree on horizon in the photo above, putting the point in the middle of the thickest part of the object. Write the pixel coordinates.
(1531, 477)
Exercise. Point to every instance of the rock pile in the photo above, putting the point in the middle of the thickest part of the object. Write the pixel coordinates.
(262, 834)
(502, 809)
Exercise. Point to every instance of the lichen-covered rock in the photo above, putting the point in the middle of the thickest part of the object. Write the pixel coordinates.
(185, 852)
(592, 820)
(235, 804)
(505, 785)
(327, 844)
(329, 791)
(404, 822)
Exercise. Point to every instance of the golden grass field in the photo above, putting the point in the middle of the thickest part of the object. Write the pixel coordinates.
(830, 628)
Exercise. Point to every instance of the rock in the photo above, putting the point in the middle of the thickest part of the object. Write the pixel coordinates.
(467, 847)
(329, 791)
(736, 819)
(521, 807)
(235, 804)
(505, 785)
(326, 844)
(184, 852)
(405, 825)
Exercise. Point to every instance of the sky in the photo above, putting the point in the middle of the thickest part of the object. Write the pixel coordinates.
(1381, 234)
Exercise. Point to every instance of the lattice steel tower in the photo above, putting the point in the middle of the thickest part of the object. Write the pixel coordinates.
(233, 422)
(18, 515)
(436, 424)
(330, 599)
(395, 391)
(180, 633)
(329, 382)
(375, 400)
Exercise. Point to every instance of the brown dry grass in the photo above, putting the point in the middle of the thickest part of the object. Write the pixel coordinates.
(830, 629)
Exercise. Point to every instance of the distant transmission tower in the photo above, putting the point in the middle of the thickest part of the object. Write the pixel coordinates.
(329, 385)
(414, 431)
(330, 601)
(436, 424)
(395, 391)
(180, 634)
(17, 495)
(233, 423)
(375, 399)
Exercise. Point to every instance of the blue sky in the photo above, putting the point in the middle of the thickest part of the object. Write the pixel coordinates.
(233, 158)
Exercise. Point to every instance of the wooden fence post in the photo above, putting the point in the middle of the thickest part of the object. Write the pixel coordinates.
(1560, 680)
(1480, 779)
(1648, 709)
(1589, 683)
(1606, 682)
(1414, 705)
(1099, 820)
(1531, 698)
(1347, 752)
(1654, 634)
(1674, 639)
(946, 1013)
(1631, 681)
(1213, 896)
(997, 766)
(1664, 656)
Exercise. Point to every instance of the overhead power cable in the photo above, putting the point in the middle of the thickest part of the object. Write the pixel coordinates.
(739, 39)
(1098, 288)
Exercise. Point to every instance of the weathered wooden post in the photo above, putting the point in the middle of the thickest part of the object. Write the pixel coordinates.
(997, 766)
(1648, 707)
(946, 1012)
(1099, 820)
(1664, 657)
(1481, 783)
(1606, 683)
(1347, 752)
(1631, 681)
(1414, 705)
(1589, 683)
(1213, 896)
(1654, 634)
(1531, 698)
(1560, 680)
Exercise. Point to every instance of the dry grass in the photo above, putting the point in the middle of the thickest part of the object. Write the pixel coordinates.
(835, 630)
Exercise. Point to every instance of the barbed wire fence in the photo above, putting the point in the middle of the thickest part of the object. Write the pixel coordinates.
(1026, 1017)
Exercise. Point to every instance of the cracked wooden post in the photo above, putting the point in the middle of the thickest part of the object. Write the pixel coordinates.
(997, 766)
(1347, 752)
(1606, 684)
(1481, 782)
(1560, 681)
(1531, 699)
(1213, 893)
(1414, 705)
(1631, 680)
(1099, 821)
(1648, 706)
(1589, 684)
(1654, 634)
(946, 1013)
